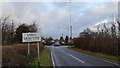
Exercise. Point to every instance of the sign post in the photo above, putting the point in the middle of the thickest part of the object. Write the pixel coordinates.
(31, 37)
(28, 48)
(38, 53)
(38, 49)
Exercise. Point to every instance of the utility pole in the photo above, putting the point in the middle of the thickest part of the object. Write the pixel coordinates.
(71, 32)
(70, 24)
(70, 18)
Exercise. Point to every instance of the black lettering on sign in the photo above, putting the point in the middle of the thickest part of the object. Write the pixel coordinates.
(31, 34)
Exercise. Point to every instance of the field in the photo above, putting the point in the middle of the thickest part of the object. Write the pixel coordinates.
(16, 55)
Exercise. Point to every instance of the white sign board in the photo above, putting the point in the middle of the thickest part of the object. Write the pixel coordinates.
(31, 37)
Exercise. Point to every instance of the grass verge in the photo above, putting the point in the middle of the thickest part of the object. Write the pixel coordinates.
(99, 55)
(44, 59)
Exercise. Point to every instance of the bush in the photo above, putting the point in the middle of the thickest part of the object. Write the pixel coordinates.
(104, 43)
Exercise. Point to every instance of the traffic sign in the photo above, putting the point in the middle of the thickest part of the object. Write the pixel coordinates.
(31, 37)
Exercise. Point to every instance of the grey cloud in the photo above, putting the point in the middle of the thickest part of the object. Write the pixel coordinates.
(53, 17)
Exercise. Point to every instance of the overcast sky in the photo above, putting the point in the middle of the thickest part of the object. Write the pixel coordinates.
(54, 17)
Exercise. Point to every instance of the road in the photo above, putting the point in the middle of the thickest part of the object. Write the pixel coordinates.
(66, 57)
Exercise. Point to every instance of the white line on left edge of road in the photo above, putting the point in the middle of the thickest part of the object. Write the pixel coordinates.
(76, 58)
(53, 62)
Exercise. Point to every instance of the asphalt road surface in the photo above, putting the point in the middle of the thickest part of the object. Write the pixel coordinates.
(66, 57)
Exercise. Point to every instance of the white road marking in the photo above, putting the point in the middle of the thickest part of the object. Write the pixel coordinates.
(72, 56)
(110, 62)
(81, 60)
(76, 58)
(104, 60)
(53, 60)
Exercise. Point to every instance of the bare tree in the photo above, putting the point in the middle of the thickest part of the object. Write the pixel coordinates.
(7, 30)
(104, 40)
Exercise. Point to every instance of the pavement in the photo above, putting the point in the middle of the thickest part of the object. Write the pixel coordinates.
(66, 57)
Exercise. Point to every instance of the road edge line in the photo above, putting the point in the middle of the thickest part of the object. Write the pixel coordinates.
(109, 62)
(105, 60)
(102, 59)
(52, 60)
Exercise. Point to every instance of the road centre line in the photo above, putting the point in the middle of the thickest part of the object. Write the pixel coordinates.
(83, 61)
(73, 56)
(76, 58)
